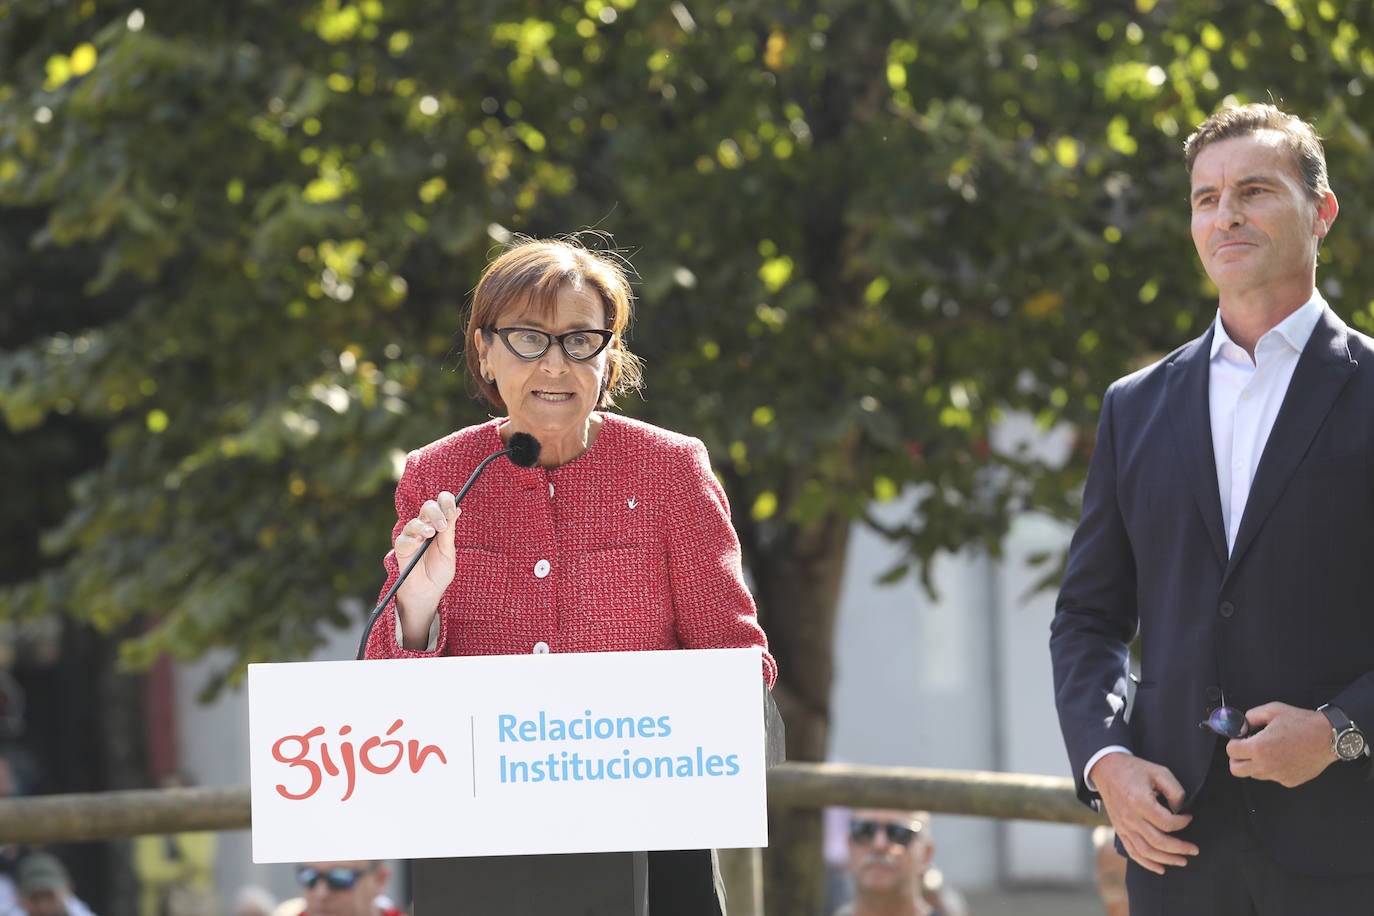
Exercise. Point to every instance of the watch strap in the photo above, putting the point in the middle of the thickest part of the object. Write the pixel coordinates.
(1342, 725)
(1336, 716)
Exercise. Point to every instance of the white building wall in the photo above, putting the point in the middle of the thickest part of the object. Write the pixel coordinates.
(1035, 853)
(959, 681)
(912, 686)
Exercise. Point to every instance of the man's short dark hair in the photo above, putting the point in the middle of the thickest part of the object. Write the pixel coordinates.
(1298, 136)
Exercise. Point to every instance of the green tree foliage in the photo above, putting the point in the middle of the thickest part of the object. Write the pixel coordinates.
(867, 232)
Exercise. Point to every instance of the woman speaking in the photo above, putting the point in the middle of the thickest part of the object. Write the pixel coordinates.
(616, 538)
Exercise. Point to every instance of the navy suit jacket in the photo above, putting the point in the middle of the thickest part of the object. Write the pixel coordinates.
(1288, 616)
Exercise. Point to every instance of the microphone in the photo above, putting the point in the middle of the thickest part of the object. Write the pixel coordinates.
(523, 452)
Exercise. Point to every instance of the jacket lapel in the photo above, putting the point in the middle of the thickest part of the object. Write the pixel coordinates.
(1323, 370)
(1190, 420)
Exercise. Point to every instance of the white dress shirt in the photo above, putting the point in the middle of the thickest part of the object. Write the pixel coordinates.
(1244, 399)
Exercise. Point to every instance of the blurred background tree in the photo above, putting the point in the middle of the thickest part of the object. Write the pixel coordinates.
(237, 239)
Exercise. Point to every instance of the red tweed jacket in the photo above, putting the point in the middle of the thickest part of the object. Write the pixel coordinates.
(629, 547)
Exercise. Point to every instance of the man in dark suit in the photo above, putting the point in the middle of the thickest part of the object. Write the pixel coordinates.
(1228, 520)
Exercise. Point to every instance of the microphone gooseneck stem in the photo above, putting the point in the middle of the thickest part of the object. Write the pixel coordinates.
(391, 592)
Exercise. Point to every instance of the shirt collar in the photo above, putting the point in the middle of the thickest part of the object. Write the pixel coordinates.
(1296, 328)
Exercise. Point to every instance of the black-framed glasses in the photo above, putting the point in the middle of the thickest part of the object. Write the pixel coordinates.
(897, 834)
(532, 343)
(1226, 721)
(336, 879)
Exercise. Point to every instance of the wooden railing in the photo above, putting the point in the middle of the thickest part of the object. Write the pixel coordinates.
(1008, 796)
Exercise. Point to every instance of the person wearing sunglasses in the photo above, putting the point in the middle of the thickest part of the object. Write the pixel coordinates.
(1228, 523)
(344, 889)
(619, 539)
(890, 867)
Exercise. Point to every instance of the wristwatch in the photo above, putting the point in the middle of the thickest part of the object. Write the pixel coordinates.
(1347, 741)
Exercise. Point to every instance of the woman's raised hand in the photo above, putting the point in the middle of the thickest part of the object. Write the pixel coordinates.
(418, 597)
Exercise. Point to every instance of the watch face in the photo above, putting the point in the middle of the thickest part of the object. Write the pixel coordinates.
(1349, 745)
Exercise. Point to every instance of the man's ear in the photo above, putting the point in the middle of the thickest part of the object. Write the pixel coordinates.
(1327, 208)
(927, 854)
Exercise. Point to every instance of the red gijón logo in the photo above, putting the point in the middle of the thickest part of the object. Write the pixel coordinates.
(378, 754)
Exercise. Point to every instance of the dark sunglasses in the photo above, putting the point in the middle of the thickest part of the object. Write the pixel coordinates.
(897, 834)
(1226, 721)
(336, 879)
(532, 343)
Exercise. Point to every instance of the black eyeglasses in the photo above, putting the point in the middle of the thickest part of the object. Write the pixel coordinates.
(1226, 721)
(897, 834)
(532, 343)
(336, 879)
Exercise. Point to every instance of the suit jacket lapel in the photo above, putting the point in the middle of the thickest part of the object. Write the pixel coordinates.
(1190, 419)
(1323, 370)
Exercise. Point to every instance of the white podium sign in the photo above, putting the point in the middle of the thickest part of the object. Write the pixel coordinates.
(507, 755)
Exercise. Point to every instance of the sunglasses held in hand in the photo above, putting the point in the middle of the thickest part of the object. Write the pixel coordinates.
(897, 834)
(1227, 721)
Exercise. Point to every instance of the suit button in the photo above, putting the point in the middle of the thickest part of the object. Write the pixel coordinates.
(1213, 694)
(1226, 609)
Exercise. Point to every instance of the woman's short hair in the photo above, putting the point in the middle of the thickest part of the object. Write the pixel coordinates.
(531, 272)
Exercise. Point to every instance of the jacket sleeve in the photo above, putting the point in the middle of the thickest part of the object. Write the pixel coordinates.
(711, 602)
(384, 640)
(1096, 616)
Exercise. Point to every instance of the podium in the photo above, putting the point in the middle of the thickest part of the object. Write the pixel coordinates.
(605, 884)
(521, 785)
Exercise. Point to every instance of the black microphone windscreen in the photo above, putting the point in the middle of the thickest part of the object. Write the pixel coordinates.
(524, 450)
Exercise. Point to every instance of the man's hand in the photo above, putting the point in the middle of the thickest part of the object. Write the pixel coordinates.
(1131, 789)
(1292, 745)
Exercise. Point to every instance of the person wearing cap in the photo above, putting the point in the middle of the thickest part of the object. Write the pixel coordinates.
(45, 888)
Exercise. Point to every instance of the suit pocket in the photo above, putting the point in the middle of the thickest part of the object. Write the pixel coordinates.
(478, 601)
(625, 584)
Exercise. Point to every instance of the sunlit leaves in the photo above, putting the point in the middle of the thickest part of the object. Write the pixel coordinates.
(1119, 137)
(1210, 36)
(337, 22)
(530, 40)
(399, 42)
(775, 50)
(728, 154)
(876, 290)
(1066, 152)
(1043, 304)
(765, 506)
(775, 272)
(1133, 79)
(61, 68)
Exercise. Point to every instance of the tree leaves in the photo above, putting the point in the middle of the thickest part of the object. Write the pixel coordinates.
(864, 238)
